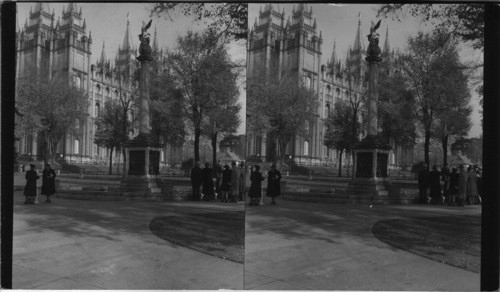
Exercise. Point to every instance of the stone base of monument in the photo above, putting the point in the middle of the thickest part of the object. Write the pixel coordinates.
(143, 168)
(370, 167)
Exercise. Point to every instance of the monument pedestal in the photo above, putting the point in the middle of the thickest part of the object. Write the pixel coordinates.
(370, 167)
(143, 166)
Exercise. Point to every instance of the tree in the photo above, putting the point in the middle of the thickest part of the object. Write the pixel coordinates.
(279, 105)
(432, 74)
(51, 108)
(396, 103)
(339, 133)
(109, 133)
(229, 20)
(196, 64)
(463, 20)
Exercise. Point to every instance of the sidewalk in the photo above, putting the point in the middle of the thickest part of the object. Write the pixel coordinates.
(304, 246)
(74, 244)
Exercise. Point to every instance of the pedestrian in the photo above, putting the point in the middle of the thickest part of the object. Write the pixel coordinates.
(30, 187)
(445, 177)
(243, 181)
(235, 182)
(273, 184)
(479, 173)
(454, 186)
(423, 183)
(226, 184)
(255, 191)
(435, 185)
(196, 181)
(48, 182)
(207, 182)
(462, 185)
(472, 194)
(218, 177)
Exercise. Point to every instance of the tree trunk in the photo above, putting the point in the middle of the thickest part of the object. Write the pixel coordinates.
(197, 133)
(426, 147)
(214, 148)
(340, 162)
(111, 160)
(124, 153)
(445, 148)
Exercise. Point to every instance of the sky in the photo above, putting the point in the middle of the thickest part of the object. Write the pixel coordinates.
(339, 23)
(108, 22)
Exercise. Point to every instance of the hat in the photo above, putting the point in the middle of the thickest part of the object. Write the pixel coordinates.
(32, 165)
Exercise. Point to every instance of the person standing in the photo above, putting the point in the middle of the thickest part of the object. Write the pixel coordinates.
(435, 185)
(196, 181)
(225, 186)
(243, 181)
(453, 189)
(462, 186)
(423, 183)
(208, 184)
(48, 182)
(30, 187)
(273, 184)
(472, 193)
(218, 177)
(255, 191)
(445, 177)
(235, 182)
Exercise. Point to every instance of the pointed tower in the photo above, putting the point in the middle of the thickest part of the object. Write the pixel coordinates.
(355, 63)
(126, 56)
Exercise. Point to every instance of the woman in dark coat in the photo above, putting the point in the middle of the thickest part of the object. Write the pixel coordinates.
(472, 194)
(48, 182)
(273, 184)
(30, 188)
(255, 190)
(453, 190)
(435, 185)
(225, 186)
(208, 184)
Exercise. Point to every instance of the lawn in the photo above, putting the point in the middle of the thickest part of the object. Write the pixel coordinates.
(221, 234)
(453, 240)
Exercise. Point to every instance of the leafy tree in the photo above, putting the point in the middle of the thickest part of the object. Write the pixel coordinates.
(433, 77)
(51, 108)
(462, 20)
(229, 20)
(339, 133)
(109, 133)
(167, 113)
(279, 105)
(196, 68)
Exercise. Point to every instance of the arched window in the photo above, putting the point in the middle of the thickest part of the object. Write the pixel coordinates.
(306, 147)
(327, 110)
(76, 148)
(308, 82)
(97, 109)
(78, 82)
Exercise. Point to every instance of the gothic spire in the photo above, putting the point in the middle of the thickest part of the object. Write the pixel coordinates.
(103, 54)
(126, 40)
(387, 47)
(358, 42)
(155, 43)
(334, 54)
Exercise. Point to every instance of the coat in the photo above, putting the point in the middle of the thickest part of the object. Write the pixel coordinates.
(256, 179)
(423, 178)
(30, 188)
(273, 184)
(243, 179)
(208, 184)
(48, 182)
(435, 183)
(196, 177)
(462, 184)
(454, 178)
(235, 181)
(226, 180)
(472, 184)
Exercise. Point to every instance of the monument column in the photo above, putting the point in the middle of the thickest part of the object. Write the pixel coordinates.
(371, 154)
(143, 153)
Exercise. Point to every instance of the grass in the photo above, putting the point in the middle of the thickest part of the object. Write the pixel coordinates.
(221, 234)
(453, 240)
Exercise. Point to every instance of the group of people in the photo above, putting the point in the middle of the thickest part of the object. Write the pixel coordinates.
(48, 184)
(460, 186)
(228, 184)
(220, 182)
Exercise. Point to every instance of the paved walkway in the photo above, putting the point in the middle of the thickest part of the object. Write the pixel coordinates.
(75, 244)
(301, 246)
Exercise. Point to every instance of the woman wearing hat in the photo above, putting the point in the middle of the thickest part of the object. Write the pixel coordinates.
(226, 184)
(255, 190)
(273, 184)
(30, 188)
(48, 182)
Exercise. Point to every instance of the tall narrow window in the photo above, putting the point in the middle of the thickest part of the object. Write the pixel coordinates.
(76, 149)
(306, 148)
